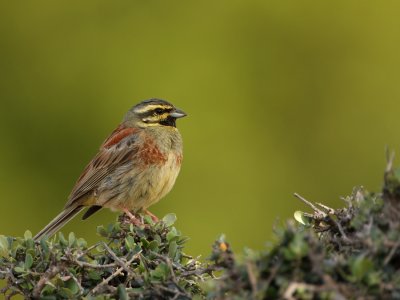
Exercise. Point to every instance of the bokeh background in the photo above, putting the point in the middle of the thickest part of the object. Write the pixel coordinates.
(282, 97)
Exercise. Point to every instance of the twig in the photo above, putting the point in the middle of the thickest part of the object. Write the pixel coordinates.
(88, 249)
(252, 277)
(49, 274)
(168, 261)
(389, 159)
(272, 274)
(113, 275)
(199, 272)
(175, 297)
(88, 265)
(77, 282)
(391, 253)
(340, 228)
(294, 286)
(329, 209)
(309, 204)
(116, 258)
(346, 200)
(172, 291)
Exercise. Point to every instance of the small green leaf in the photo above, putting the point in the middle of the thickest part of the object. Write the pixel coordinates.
(72, 286)
(71, 239)
(28, 235)
(4, 253)
(48, 290)
(373, 278)
(157, 238)
(161, 272)
(302, 218)
(122, 294)
(28, 261)
(116, 228)
(4, 245)
(100, 248)
(66, 293)
(82, 243)
(153, 245)
(3, 242)
(130, 243)
(148, 220)
(102, 231)
(397, 173)
(145, 243)
(169, 219)
(94, 274)
(361, 266)
(297, 248)
(173, 248)
(44, 246)
(142, 267)
(30, 244)
(173, 234)
(19, 269)
(63, 241)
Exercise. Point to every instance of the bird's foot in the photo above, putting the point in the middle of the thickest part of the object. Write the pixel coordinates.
(134, 220)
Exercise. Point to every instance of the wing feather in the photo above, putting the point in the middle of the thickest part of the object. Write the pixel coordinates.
(116, 150)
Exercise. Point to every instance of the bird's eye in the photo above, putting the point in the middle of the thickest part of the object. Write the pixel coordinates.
(158, 111)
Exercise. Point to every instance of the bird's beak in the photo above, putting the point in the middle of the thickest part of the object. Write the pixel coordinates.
(177, 113)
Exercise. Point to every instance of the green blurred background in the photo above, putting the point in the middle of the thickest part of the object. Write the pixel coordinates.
(282, 97)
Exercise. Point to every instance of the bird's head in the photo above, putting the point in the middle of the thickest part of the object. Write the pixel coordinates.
(153, 112)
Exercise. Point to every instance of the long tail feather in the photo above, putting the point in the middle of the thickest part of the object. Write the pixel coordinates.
(58, 222)
(91, 211)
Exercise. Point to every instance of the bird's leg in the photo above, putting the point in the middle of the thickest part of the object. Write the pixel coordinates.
(152, 216)
(131, 216)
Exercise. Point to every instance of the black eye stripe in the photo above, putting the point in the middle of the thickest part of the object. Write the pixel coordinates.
(155, 112)
(160, 111)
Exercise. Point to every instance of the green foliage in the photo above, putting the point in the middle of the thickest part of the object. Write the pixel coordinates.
(131, 262)
(347, 253)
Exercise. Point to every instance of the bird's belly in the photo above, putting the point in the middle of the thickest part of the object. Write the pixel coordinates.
(146, 186)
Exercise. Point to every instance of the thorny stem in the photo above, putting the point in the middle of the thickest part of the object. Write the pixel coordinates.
(310, 204)
(113, 275)
(47, 276)
(116, 259)
(327, 215)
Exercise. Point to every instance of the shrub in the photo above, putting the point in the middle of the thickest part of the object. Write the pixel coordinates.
(347, 253)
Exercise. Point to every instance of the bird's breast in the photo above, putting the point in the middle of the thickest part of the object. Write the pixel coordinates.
(155, 180)
(148, 177)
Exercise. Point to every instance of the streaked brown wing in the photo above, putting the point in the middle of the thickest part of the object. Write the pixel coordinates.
(113, 153)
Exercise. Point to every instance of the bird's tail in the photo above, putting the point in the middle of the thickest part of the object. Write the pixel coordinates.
(58, 222)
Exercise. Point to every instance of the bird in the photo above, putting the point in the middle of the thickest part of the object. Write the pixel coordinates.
(135, 167)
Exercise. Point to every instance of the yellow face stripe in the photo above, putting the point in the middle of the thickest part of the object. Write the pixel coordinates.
(144, 124)
(156, 118)
(152, 107)
(163, 116)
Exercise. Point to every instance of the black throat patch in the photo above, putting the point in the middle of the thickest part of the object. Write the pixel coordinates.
(170, 121)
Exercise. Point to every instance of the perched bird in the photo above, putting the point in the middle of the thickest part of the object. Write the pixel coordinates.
(135, 167)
